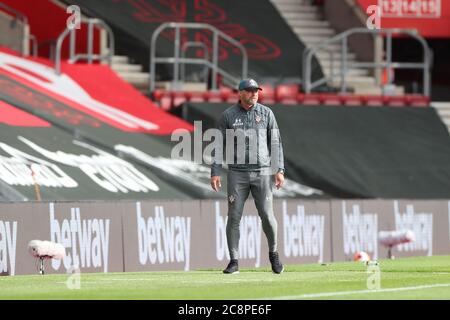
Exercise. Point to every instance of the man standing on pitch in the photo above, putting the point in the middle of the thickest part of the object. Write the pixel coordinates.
(255, 165)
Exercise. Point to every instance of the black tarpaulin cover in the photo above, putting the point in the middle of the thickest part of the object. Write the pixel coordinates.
(360, 152)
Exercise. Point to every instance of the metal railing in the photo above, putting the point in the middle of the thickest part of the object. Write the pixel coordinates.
(24, 48)
(193, 44)
(20, 16)
(89, 56)
(388, 64)
(178, 60)
(34, 46)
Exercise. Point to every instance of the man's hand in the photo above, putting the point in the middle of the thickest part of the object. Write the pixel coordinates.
(215, 183)
(279, 180)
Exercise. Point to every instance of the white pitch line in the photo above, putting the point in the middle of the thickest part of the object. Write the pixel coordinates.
(343, 293)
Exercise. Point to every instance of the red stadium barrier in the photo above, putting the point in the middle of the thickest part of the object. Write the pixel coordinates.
(289, 94)
(286, 93)
(267, 95)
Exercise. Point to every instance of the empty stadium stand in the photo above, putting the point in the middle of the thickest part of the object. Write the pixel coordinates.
(288, 94)
(88, 118)
(93, 110)
(358, 152)
(274, 51)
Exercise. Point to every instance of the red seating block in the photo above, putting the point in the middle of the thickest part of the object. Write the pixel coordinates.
(178, 98)
(331, 99)
(267, 95)
(396, 101)
(157, 94)
(416, 100)
(196, 96)
(286, 93)
(376, 101)
(213, 96)
(165, 101)
(227, 94)
(353, 100)
(312, 99)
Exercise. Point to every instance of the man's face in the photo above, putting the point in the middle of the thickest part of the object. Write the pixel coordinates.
(249, 96)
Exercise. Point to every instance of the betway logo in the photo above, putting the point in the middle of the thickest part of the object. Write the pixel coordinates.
(89, 237)
(420, 223)
(162, 239)
(250, 237)
(303, 234)
(8, 241)
(360, 231)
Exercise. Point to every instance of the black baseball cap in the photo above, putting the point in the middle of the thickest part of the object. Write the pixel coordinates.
(248, 84)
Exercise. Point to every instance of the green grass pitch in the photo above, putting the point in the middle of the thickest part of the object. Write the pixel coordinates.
(407, 278)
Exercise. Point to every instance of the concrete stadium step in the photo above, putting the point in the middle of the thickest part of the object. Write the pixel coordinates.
(119, 59)
(298, 23)
(323, 56)
(296, 7)
(126, 67)
(304, 2)
(185, 86)
(326, 66)
(356, 80)
(131, 73)
(302, 15)
(443, 110)
(444, 113)
(442, 106)
(135, 77)
(309, 24)
(298, 2)
(317, 31)
(369, 89)
(350, 72)
(447, 122)
(337, 48)
(313, 39)
(326, 61)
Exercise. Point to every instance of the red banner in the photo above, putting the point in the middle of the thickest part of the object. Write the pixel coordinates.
(430, 17)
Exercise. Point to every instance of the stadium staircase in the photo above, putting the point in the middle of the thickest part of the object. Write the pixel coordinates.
(309, 24)
(443, 109)
(131, 73)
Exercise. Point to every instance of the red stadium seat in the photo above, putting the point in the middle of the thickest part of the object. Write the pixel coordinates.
(165, 101)
(196, 96)
(267, 95)
(286, 93)
(226, 94)
(213, 96)
(331, 99)
(312, 99)
(157, 94)
(395, 101)
(376, 101)
(416, 100)
(232, 98)
(353, 100)
(300, 97)
(178, 98)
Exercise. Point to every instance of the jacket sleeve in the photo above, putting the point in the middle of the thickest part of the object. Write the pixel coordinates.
(274, 143)
(217, 155)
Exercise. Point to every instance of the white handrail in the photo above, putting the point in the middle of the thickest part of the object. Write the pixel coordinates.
(176, 60)
(89, 56)
(345, 65)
